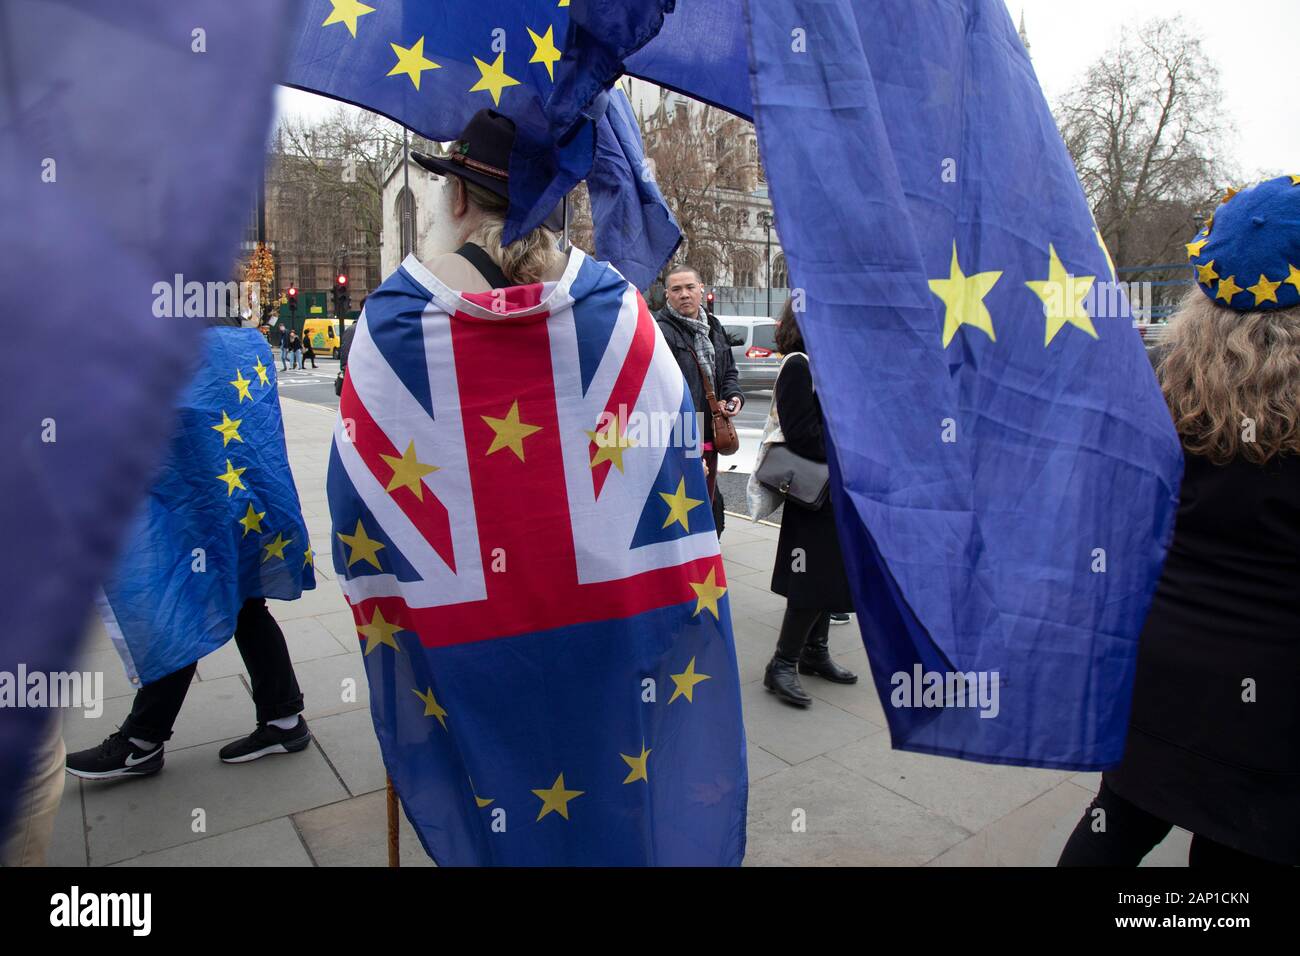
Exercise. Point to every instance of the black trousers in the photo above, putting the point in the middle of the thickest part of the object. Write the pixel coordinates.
(1131, 833)
(802, 626)
(261, 645)
(306, 356)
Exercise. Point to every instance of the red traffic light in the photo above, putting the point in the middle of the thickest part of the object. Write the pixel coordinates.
(293, 292)
(342, 279)
(709, 298)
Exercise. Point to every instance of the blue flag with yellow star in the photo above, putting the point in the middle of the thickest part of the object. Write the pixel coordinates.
(543, 63)
(1005, 470)
(222, 522)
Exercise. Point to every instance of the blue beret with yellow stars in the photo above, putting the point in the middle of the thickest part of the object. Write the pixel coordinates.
(1247, 256)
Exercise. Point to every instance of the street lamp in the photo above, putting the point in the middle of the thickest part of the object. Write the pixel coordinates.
(765, 219)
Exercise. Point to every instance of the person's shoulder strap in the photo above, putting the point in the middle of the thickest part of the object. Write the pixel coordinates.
(477, 257)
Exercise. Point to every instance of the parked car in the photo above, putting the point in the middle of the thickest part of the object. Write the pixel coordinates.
(753, 346)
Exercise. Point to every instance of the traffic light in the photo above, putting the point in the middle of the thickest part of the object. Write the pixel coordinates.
(342, 301)
(293, 299)
(708, 303)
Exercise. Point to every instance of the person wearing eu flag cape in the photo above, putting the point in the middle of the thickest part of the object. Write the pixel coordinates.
(1214, 739)
(522, 532)
(221, 531)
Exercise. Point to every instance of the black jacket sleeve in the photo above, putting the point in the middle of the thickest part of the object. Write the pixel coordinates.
(799, 411)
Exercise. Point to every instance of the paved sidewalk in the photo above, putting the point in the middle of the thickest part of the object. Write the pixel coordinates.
(864, 803)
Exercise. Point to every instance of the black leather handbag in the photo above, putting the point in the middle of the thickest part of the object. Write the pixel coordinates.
(804, 482)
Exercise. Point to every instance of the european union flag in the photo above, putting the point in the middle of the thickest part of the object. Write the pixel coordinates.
(101, 200)
(1006, 472)
(222, 523)
(432, 66)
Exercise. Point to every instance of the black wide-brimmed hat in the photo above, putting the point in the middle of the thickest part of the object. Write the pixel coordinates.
(482, 156)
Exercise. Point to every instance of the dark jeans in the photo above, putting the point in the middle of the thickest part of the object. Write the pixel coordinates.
(1131, 833)
(261, 645)
(800, 627)
(306, 356)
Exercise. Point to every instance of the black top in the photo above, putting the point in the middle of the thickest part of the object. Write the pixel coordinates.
(821, 583)
(681, 342)
(1214, 737)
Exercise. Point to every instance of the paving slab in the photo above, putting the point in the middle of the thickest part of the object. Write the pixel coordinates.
(355, 833)
(323, 689)
(850, 821)
(274, 843)
(796, 734)
(126, 818)
(349, 743)
(971, 795)
(68, 841)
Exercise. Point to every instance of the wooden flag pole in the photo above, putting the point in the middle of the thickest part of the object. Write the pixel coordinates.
(394, 860)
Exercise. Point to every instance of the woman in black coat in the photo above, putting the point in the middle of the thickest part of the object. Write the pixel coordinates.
(1214, 737)
(809, 570)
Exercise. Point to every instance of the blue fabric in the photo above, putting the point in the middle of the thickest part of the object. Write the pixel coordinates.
(1247, 256)
(172, 605)
(702, 50)
(110, 182)
(979, 482)
(553, 104)
(635, 229)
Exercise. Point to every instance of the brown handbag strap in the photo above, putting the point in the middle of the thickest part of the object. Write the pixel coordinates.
(707, 380)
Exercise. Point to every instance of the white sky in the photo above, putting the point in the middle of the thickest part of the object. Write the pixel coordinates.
(1254, 43)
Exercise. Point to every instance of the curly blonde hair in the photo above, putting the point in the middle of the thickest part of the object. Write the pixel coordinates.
(1232, 380)
(524, 261)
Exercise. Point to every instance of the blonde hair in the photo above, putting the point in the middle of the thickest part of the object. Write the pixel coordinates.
(526, 260)
(1227, 374)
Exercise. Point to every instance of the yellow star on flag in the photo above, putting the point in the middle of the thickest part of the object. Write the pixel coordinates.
(610, 444)
(1228, 288)
(1227, 196)
(229, 429)
(347, 12)
(963, 296)
(1264, 291)
(556, 798)
(544, 50)
(241, 385)
(431, 707)
(1293, 278)
(252, 521)
(481, 801)
(1063, 296)
(260, 369)
(493, 78)
(638, 765)
(679, 506)
(276, 548)
(1206, 274)
(231, 478)
(686, 682)
(707, 593)
(1295, 180)
(309, 557)
(510, 432)
(411, 62)
(408, 470)
(364, 547)
(377, 632)
(1194, 248)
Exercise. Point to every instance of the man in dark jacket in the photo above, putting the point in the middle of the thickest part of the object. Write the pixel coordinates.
(693, 334)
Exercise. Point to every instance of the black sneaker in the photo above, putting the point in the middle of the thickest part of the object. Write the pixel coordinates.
(115, 757)
(839, 619)
(267, 739)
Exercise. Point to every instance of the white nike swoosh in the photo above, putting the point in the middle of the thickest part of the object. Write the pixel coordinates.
(132, 761)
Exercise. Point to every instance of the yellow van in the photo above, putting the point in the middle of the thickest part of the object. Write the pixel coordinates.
(324, 335)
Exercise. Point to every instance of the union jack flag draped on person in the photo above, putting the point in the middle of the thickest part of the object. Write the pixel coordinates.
(522, 530)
